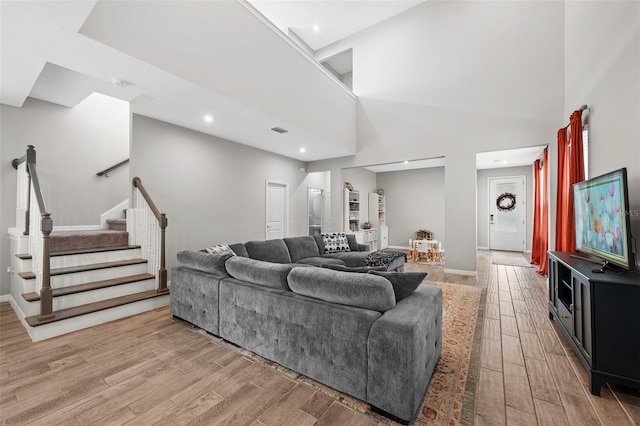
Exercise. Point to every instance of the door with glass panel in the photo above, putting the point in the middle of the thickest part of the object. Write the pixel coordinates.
(507, 213)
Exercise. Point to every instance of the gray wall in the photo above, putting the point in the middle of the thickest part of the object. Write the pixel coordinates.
(483, 200)
(212, 190)
(414, 200)
(72, 145)
(452, 79)
(602, 69)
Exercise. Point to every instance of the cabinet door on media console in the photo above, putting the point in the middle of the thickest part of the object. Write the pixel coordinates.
(600, 315)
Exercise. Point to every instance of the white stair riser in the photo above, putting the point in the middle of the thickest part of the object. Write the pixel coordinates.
(59, 328)
(26, 286)
(77, 299)
(89, 258)
(97, 275)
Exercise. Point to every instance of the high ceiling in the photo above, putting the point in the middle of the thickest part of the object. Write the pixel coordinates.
(320, 23)
(63, 51)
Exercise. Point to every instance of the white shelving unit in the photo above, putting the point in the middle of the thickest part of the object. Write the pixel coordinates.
(378, 219)
(351, 211)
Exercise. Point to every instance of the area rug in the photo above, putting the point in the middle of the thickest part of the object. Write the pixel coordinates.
(450, 397)
(510, 258)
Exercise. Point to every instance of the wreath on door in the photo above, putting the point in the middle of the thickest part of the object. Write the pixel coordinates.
(506, 202)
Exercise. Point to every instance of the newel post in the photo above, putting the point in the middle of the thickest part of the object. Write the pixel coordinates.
(46, 293)
(162, 273)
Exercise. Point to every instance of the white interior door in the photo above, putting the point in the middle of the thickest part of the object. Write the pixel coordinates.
(507, 213)
(276, 210)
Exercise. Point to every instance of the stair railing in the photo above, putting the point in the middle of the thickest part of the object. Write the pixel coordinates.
(38, 224)
(148, 232)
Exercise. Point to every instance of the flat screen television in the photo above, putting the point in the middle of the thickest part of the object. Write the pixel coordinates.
(602, 220)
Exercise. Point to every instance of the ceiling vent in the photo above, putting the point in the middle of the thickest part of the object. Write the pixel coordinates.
(279, 129)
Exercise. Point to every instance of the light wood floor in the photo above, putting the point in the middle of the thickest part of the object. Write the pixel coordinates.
(151, 369)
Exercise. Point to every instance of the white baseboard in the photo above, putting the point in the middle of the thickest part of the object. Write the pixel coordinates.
(461, 272)
(482, 248)
(5, 298)
(399, 248)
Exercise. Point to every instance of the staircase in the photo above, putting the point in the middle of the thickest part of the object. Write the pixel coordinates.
(96, 276)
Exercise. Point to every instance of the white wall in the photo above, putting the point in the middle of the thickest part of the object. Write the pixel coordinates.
(72, 145)
(212, 190)
(602, 70)
(452, 79)
(414, 199)
(483, 201)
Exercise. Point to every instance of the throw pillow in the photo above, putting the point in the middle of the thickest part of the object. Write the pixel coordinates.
(404, 283)
(357, 269)
(220, 249)
(335, 242)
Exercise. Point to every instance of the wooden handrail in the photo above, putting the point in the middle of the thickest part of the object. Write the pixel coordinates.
(46, 226)
(163, 222)
(105, 172)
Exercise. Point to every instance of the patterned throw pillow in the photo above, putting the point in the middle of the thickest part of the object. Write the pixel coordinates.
(220, 249)
(335, 242)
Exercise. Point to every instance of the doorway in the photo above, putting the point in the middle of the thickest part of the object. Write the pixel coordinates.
(507, 209)
(315, 208)
(276, 210)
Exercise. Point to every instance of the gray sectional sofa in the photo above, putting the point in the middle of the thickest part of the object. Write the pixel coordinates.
(359, 333)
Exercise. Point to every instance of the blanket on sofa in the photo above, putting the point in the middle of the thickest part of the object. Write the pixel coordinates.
(383, 258)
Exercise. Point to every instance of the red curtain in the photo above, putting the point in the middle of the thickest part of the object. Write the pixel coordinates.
(540, 214)
(544, 215)
(570, 171)
(537, 210)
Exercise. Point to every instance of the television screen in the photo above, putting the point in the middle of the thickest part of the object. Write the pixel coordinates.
(601, 218)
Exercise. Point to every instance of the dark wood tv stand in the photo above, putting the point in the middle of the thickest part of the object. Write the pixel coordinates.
(600, 315)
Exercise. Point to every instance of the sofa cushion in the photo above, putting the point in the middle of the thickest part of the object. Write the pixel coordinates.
(351, 258)
(239, 249)
(404, 283)
(275, 251)
(319, 261)
(353, 243)
(335, 242)
(203, 261)
(357, 269)
(268, 274)
(366, 291)
(302, 247)
(320, 243)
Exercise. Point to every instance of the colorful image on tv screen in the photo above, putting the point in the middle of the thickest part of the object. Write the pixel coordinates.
(600, 218)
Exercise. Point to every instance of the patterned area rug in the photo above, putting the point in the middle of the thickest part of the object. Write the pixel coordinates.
(450, 397)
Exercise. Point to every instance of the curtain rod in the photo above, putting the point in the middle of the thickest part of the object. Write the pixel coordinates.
(582, 108)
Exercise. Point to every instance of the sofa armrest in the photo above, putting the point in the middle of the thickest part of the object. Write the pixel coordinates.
(404, 346)
(363, 247)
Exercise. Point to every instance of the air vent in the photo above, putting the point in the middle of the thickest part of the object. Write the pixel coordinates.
(279, 129)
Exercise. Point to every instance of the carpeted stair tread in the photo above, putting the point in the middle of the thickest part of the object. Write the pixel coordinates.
(63, 291)
(117, 224)
(84, 268)
(76, 311)
(82, 240)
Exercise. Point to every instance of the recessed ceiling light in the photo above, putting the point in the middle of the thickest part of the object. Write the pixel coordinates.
(303, 150)
(504, 161)
(316, 28)
(406, 161)
(208, 118)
